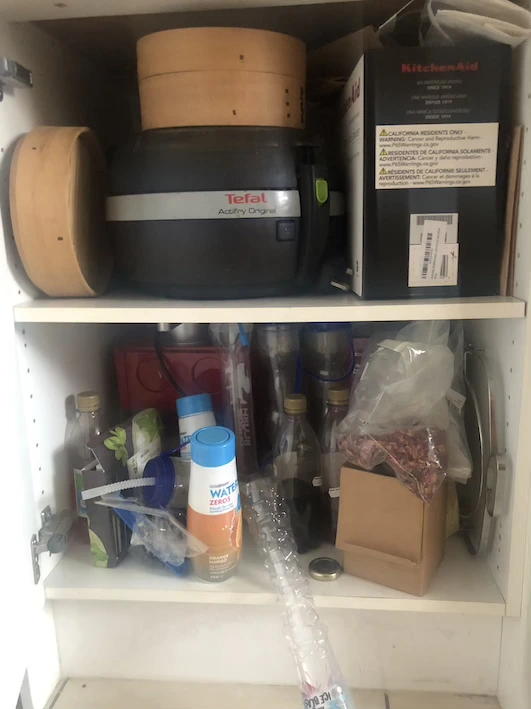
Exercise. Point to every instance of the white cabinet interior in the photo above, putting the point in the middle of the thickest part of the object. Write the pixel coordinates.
(470, 634)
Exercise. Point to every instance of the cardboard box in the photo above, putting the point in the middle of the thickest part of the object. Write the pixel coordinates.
(387, 534)
(425, 139)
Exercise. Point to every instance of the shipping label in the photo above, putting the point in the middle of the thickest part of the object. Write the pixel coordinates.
(436, 155)
(433, 250)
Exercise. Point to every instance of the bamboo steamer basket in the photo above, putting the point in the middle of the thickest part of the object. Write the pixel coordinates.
(221, 98)
(56, 192)
(209, 76)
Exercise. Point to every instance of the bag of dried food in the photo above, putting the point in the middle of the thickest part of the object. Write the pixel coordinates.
(398, 412)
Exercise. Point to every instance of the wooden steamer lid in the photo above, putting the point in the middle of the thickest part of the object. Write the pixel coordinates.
(213, 76)
(56, 192)
(220, 49)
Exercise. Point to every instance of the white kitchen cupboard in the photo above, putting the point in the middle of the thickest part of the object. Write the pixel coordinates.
(471, 633)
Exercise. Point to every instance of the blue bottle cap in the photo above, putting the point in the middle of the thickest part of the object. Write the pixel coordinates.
(161, 493)
(213, 446)
(196, 404)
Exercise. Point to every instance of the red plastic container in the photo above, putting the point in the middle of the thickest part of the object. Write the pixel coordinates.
(143, 384)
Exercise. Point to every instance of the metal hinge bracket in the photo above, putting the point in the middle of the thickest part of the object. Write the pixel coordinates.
(14, 74)
(52, 537)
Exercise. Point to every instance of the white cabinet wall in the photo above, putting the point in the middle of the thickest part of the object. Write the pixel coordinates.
(469, 634)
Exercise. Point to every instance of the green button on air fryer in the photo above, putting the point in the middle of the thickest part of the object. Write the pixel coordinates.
(321, 190)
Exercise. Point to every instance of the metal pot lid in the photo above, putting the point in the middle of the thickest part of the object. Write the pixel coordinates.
(481, 499)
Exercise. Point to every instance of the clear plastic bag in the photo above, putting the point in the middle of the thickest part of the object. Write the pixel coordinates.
(453, 22)
(158, 531)
(398, 412)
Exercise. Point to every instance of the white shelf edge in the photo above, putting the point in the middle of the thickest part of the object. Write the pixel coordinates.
(416, 605)
(117, 308)
(464, 586)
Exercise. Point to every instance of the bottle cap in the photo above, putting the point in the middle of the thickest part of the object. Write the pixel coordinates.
(338, 395)
(88, 401)
(213, 446)
(196, 404)
(324, 568)
(162, 469)
(295, 404)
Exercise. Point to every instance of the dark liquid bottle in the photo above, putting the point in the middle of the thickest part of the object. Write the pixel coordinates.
(332, 459)
(297, 466)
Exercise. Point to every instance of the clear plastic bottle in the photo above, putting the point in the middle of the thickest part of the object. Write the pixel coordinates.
(278, 353)
(328, 358)
(297, 467)
(332, 458)
(85, 428)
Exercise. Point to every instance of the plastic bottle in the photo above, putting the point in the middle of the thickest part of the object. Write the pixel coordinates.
(320, 678)
(214, 508)
(233, 342)
(332, 458)
(297, 467)
(172, 480)
(194, 412)
(85, 428)
(328, 358)
(278, 353)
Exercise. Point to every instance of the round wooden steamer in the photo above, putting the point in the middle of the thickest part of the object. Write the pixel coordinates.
(221, 98)
(56, 195)
(220, 48)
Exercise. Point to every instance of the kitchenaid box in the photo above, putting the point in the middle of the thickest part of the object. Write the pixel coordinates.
(426, 138)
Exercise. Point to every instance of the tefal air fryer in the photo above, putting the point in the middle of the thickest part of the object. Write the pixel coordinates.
(222, 195)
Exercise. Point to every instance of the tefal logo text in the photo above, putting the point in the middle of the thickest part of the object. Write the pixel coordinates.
(431, 68)
(248, 198)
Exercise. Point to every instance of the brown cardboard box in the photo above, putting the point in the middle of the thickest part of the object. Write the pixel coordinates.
(387, 534)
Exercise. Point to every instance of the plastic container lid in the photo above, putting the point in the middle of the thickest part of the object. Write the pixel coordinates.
(88, 401)
(161, 493)
(295, 404)
(338, 396)
(196, 404)
(213, 446)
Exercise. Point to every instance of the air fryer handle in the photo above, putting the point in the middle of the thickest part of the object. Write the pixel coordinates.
(315, 222)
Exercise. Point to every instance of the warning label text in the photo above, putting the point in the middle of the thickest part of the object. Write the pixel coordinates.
(437, 155)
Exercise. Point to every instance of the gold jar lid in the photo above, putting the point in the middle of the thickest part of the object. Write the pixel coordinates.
(338, 395)
(88, 401)
(324, 568)
(295, 404)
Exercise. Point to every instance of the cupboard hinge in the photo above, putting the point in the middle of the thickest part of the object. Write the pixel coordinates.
(14, 74)
(52, 537)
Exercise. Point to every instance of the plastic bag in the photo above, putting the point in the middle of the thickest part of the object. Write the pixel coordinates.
(398, 412)
(158, 530)
(451, 22)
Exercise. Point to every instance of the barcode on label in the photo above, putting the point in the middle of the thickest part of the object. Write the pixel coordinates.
(446, 218)
(426, 262)
(444, 266)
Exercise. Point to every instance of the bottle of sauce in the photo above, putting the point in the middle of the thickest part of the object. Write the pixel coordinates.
(297, 466)
(214, 508)
(332, 458)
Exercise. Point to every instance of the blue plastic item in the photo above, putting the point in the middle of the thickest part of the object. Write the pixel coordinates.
(196, 404)
(213, 447)
(133, 521)
(162, 469)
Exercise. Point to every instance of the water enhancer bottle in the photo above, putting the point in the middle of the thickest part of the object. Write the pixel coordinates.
(214, 509)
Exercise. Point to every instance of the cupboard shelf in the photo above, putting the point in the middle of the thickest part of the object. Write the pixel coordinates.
(140, 308)
(463, 585)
